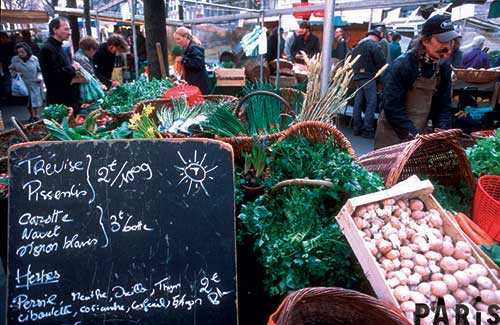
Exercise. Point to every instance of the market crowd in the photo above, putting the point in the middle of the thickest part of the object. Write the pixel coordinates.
(52, 73)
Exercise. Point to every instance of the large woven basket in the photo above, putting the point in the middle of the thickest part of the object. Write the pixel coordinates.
(33, 132)
(321, 305)
(294, 97)
(437, 156)
(476, 76)
(320, 132)
(245, 144)
(167, 102)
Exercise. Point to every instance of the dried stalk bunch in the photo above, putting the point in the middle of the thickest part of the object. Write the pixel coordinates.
(314, 80)
(326, 108)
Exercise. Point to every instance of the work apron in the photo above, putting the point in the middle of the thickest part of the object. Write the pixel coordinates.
(418, 107)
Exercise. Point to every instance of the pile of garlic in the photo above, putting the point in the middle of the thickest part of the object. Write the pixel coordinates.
(420, 263)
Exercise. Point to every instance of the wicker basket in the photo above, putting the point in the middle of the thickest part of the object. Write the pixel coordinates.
(320, 132)
(34, 132)
(294, 97)
(252, 70)
(167, 102)
(321, 305)
(245, 144)
(436, 156)
(284, 64)
(285, 81)
(476, 76)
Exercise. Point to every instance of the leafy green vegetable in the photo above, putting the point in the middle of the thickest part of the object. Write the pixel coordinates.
(455, 199)
(484, 156)
(56, 112)
(295, 233)
(493, 252)
(125, 96)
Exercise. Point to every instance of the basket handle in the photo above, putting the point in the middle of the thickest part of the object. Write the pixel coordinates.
(447, 134)
(288, 109)
(20, 128)
(299, 181)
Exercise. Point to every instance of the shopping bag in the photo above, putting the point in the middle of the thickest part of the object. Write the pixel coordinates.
(79, 78)
(18, 87)
(90, 91)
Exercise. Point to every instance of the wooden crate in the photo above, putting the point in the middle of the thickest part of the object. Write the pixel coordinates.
(285, 81)
(230, 77)
(411, 188)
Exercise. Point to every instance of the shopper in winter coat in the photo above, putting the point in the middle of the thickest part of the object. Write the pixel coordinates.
(307, 42)
(371, 60)
(104, 59)
(193, 59)
(26, 65)
(476, 58)
(57, 68)
(272, 45)
(417, 86)
(86, 51)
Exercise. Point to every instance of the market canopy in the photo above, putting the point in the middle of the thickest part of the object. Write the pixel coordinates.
(24, 17)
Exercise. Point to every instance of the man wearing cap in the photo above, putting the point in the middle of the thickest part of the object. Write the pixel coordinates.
(370, 61)
(417, 86)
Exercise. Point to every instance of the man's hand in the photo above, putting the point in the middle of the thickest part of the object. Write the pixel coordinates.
(115, 83)
(75, 66)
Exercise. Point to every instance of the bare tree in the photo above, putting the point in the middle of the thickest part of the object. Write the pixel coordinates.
(86, 15)
(156, 32)
(73, 24)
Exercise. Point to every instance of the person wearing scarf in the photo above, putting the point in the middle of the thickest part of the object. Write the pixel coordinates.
(307, 42)
(417, 86)
(26, 65)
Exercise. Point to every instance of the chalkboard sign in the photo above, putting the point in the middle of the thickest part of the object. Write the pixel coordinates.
(122, 232)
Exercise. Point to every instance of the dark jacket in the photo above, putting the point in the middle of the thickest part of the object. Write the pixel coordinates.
(311, 46)
(394, 51)
(272, 46)
(104, 62)
(341, 50)
(57, 74)
(371, 60)
(476, 59)
(195, 72)
(399, 79)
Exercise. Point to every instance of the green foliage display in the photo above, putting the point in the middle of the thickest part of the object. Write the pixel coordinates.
(128, 94)
(455, 199)
(294, 232)
(484, 156)
(493, 252)
(177, 50)
(56, 112)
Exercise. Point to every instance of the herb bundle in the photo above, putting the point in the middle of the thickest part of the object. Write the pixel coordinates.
(172, 119)
(484, 156)
(221, 120)
(299, 242)
(123, 97)
(263, 112)
(56, 112)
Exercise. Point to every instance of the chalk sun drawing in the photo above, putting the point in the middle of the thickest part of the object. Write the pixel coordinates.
(193, 172)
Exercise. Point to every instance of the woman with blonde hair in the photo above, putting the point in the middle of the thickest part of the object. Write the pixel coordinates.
(193, 59)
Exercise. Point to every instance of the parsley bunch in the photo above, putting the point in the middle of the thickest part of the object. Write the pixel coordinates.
(295, 233)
